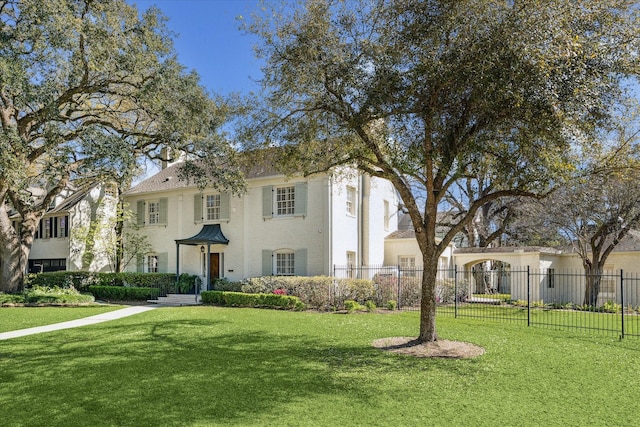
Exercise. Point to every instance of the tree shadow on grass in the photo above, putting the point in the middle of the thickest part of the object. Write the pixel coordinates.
(180, 372)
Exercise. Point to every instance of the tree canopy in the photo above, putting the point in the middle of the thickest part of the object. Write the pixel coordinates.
(87, 88)
(428, 93)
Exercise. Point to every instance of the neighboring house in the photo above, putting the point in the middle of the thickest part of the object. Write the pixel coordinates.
(280, 226)
(555, 274)
(64, 239)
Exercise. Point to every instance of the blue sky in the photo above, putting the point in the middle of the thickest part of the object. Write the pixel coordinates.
(209, 40)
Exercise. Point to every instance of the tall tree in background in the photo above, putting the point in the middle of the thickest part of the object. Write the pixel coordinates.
(86, 89)
(422, 92)
(602, 204)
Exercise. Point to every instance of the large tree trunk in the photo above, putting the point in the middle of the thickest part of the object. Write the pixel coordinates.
(428, 301)
(593, 277)
(15, 246)
(14, 259)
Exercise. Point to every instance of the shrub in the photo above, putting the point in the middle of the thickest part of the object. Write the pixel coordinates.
(82, 280)
(447, 292)
(351, 306)
(239, 299)
(187, 283)
(122, 293)
(370, 305)
(57, 295)
(611, 307)
(318, 291)
(8, 299)
(223, 284)
(392, 304)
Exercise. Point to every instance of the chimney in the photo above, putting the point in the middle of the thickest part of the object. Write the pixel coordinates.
(164, 157)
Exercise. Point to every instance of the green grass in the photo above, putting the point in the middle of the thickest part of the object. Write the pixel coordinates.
(14, 318)
(597, 322)
(201, 366)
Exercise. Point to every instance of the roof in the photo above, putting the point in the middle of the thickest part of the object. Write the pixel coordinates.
(257, 164)
(629, 243)
(402, 234)
(210, 234)
(507, 249)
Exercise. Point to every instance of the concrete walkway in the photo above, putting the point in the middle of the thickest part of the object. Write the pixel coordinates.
(98, 318)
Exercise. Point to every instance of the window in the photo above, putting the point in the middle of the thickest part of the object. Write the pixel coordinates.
(47, 265)
(213, 207)
(608, 282)
(351, 262)
(407, 265)
(551, 277)
(152, 263)
(285, 263)
(386, 214)
(351, 201)
(63, 226)
(285, 200)
(153, 210)
(47, 228)
(351, 258)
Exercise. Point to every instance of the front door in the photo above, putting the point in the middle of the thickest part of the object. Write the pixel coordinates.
(214, 268)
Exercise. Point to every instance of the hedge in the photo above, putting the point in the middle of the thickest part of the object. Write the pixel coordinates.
(239, 299)
(82, 280)
(122, 293)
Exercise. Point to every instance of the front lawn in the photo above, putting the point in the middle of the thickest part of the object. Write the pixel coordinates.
(201, 366)
(14, 318)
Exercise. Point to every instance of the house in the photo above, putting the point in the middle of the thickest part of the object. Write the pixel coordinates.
(553, 274)
(65, 239)
(280, 226)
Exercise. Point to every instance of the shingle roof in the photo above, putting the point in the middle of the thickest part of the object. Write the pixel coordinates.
(166, 179)
(629, 243)
(253, 164)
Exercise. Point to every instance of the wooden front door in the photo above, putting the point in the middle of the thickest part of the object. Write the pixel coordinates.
(214, 267)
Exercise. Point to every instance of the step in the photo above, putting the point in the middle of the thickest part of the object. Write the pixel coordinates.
(177, 299)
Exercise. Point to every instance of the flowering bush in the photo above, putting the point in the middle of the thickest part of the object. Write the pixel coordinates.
(280, 291)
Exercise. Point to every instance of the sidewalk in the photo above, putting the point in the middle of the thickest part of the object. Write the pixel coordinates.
(98, 318)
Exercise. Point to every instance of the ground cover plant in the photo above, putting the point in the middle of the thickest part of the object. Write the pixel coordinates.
(14, 318)
(202, 366)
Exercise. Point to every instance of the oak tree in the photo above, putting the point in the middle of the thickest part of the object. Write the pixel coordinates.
(421, 92)
(87, 88)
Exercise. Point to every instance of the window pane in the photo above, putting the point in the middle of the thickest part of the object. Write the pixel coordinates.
(213, 207)
(152, 264)
(154, 212)
(285, 200)
(351, 200)
(285, 264)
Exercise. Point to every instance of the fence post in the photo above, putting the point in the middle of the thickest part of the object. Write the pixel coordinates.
(622, 301)
(528, 296)
(399, 283)
(455, 291)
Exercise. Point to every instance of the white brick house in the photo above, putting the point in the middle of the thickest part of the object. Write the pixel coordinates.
(61, 241)
(281, 226)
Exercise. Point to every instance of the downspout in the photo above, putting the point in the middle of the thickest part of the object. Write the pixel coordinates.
(329, 228)
(364, 218)
(359, 222)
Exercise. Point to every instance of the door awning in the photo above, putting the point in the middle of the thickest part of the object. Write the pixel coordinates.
(210, 234)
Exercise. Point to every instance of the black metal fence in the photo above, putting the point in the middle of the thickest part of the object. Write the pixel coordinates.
(568, 300)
